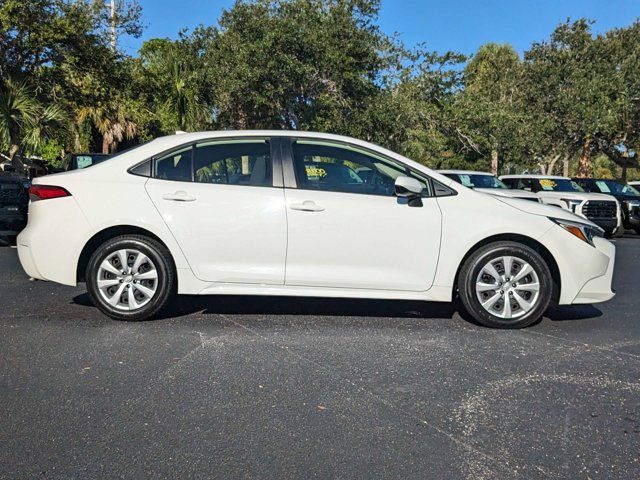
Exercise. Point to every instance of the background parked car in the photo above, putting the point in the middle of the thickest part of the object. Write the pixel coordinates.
(487, 183)
(76, 161)
(603, 210)
(14, 200)
(628, 197)
(635, 185)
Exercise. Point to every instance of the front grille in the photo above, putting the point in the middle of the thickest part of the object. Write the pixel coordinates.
(8, 194)
(599, 209)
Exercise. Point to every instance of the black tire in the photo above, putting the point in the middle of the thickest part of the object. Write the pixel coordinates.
(637, 230)
(165, 289)
(475, 263)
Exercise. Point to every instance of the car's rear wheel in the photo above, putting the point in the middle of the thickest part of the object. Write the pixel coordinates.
(131, 277)
(505, 285)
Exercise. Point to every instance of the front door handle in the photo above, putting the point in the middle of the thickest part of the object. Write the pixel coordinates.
(179, 196)
(307, 206)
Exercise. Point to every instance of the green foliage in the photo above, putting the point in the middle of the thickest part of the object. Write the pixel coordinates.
(50, 150)
(318, 65)
(488, 109)
(24, 122)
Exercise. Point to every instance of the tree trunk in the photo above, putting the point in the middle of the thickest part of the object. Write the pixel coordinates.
(105, 144)
(584, 162)
(548, 169)
(76, 142)
(494, 160)
(565, 166)
(14, 159)
(624, 174)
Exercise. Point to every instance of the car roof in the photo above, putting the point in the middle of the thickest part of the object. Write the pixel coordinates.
(161, 144)
(554, 177)
(465, 172)
(597, 179)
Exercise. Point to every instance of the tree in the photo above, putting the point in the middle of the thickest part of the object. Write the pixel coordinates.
(621, 47)
(487, 109)
(112, 120)
(24, 122)
(305, 64)
(579, 90)
(174, 78)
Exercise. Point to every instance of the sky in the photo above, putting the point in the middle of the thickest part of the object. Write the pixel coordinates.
(460, 26)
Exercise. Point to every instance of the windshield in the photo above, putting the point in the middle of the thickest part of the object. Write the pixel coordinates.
(609, 186)
(84, 161)
(478, 181)
(559, 185)
(481, 181)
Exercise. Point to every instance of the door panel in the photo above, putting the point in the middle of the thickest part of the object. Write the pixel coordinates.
(361, 241)
(225, 215)
(228, 233)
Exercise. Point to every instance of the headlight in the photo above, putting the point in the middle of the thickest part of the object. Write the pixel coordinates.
(584, 232)
(633, 203)
(571, 204)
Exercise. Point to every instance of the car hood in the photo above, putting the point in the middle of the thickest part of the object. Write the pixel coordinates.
(576, 195)
(543, 210)
(624, 197)
(509, 193)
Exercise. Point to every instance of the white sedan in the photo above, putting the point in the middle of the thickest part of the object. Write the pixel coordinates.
(303, 214)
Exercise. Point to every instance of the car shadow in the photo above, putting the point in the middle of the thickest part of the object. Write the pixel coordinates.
(563, 313)
(275, 305)
(333, 307)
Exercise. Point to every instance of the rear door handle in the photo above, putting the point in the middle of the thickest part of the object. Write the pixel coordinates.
(179, 196)
(307, 206)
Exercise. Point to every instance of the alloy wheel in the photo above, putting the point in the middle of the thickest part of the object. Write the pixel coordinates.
(508, 287)
(127, 279)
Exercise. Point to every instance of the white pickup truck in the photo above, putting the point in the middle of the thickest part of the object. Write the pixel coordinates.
(603, 210)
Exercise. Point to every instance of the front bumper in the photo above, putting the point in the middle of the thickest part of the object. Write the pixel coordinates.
(585, 271)
(607, 224)
(598, 289)
(632, 217)
(12, 223)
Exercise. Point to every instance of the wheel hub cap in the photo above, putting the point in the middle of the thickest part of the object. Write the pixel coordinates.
(127, 279)
(508, 287)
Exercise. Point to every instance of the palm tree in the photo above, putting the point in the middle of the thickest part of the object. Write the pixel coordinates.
(112, 121)
(24, 121)
(183, 97)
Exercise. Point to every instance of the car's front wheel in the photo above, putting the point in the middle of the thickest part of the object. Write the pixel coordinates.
(505, 285)
(131, 277)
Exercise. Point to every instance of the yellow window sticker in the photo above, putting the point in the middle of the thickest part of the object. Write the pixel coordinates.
(317, 172)
(548, 184)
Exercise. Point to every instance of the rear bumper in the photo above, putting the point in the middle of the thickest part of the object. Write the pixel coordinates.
(50, 245)
(26, 260)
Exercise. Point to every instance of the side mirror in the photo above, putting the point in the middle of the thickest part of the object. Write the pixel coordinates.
(408, 187)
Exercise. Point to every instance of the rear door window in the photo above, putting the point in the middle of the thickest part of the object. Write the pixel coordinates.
(245, 162)
(174, 166)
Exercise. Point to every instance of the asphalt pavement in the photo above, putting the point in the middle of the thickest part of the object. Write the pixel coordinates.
(251, 387)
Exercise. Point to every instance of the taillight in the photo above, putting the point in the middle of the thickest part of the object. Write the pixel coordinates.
(45, 192)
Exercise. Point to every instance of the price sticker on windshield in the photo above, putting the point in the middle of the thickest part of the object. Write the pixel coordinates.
(548, 184)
